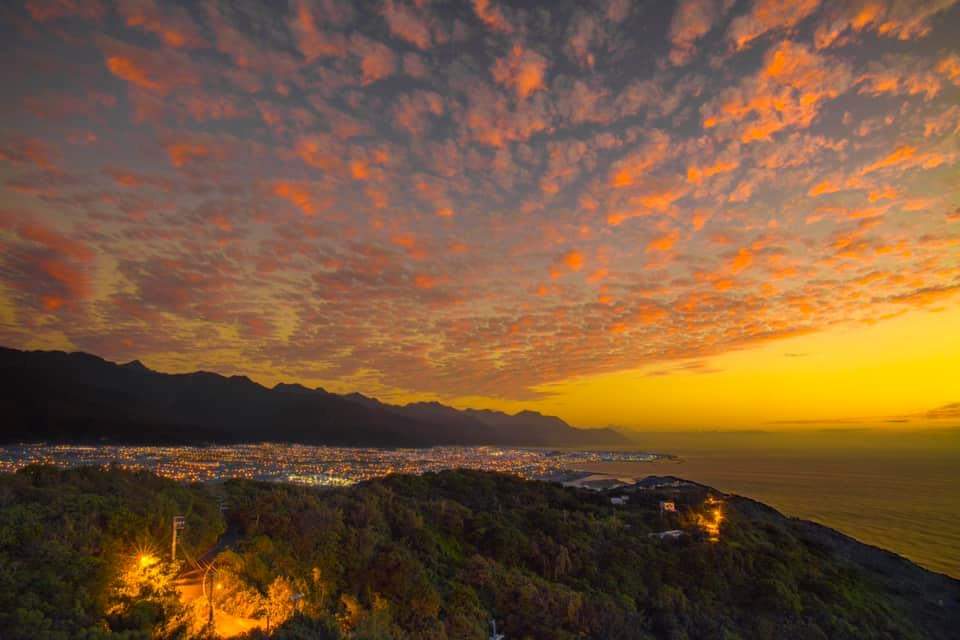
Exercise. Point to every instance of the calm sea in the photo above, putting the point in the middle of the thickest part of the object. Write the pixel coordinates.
(899, 491)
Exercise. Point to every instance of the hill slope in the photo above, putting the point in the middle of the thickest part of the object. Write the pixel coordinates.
(438, 556)
(56, 396)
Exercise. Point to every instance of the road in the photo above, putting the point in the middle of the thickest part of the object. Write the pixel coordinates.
(189, 585)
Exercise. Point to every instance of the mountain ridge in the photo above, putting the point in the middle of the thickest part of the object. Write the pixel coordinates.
(77, 396)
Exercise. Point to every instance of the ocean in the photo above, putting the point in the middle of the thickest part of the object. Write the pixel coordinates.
(895, 490)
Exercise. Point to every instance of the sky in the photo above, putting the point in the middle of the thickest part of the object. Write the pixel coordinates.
(703, 214)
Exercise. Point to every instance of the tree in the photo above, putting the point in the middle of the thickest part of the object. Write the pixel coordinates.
(280, 603)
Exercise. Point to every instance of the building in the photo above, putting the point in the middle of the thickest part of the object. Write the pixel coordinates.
(672, 534)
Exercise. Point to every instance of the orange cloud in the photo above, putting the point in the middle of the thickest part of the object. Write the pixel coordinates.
(521, 69)
(44, 10)
(699, 219)
(490, 121)
(410, 244)
(742, 192)
(889, 18)
(573, 259)
(648, 314)
(926, 296)
(663, 242)
(650, 201)
(906, 21)
(412, 111)
(618, 10)
(319, 152)
(424, 281)
(741, 261)
(723, 284)
(884, 193)
(598, 275)
(406, 25)
(172, 25)
(824, 187)
(127, 69)
(124, 178)
(182, 153)
(692, 20)
(414, 65)
(696, 174)
(157, 72)
(766, 16)
(855, 16)
(57, 242)
(359, 170)
(894, 81)
(296, 193)
(786, 92)
(492, 16)
(906, 156)
(24, 150)
(53, 270)
(586, 33)
(654, 151)
(950, 67)
(659, 199)
(376, 59)
(312, 41)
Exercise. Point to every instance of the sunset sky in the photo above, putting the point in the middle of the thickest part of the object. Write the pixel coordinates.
(704, 214)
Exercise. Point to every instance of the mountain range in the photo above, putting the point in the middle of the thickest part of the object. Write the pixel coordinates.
(55, 396)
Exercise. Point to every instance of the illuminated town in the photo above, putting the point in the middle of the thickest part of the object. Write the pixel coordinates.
(311, 465)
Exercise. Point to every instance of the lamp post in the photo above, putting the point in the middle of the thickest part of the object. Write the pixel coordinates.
(179, 522)
(203, 588)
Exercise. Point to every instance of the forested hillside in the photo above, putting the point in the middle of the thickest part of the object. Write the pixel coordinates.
(439, 556)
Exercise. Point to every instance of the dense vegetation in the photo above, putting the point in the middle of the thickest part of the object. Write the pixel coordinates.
(68, 537)
(435, 556)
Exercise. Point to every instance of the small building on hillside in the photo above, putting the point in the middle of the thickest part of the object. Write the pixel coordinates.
(672, 534)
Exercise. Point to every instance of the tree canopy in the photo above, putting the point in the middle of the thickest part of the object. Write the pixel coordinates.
(435, 556)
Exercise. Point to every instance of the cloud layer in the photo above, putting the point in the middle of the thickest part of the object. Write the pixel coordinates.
(471, 198)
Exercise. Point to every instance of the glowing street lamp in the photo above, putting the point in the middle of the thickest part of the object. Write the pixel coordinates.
(147, 560)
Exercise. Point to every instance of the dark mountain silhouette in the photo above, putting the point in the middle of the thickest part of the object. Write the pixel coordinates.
(78, 397)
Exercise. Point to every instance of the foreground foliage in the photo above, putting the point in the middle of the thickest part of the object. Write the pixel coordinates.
(434, 557)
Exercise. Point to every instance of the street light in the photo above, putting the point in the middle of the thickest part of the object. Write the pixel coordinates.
(203, 588)
(146, 560)
(179, 523)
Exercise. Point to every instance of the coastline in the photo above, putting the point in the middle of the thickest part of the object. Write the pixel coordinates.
(897, 502)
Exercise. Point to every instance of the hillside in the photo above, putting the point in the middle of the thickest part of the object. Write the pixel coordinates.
(77, 397)
(438, 556)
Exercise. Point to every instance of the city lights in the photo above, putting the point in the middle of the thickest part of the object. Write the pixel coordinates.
(309, 465)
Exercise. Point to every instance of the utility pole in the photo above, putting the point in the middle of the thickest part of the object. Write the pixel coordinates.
(179, 522)
(203, 587)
